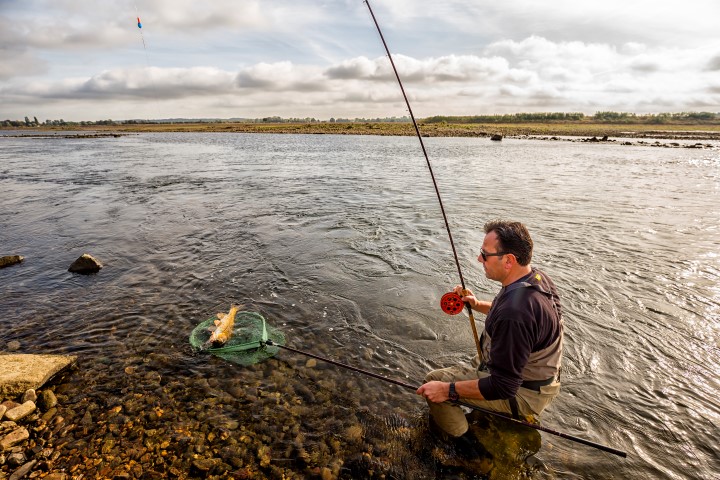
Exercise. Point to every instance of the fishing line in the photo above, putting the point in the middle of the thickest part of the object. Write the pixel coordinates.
(450, 302)
(147, 61)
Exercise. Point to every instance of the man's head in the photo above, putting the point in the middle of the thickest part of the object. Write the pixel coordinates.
(513, 237)
(506, 251)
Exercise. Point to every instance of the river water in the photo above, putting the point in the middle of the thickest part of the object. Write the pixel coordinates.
(339, 242)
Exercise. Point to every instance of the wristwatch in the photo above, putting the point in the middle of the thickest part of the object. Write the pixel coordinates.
(453, 395)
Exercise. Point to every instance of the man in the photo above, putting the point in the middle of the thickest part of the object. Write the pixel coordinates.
(521, 344)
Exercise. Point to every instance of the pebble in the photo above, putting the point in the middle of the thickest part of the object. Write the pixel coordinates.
(29, 396)
(16, 459)
(9, 404)
(21, 411)
(15, 437)
(56, 476)
(47, 400)
(3, 409)
(22, 471)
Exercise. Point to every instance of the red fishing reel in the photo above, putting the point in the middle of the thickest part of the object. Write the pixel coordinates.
(451, 303)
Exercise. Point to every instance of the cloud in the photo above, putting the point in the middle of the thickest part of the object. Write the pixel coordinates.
(713, 65)
(309, 58)
(11, 63)
(449, 68)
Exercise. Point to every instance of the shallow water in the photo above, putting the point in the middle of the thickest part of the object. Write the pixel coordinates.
(339, 242)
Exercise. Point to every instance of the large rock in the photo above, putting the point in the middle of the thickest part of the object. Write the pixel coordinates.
(20, 372)
(85, 264)
(8, 260)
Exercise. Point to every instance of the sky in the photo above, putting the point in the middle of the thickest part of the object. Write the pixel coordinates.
(88, 60)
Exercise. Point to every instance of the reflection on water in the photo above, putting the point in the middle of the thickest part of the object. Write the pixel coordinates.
(338, 241)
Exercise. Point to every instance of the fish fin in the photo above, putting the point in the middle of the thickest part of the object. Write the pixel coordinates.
(221, 315)
(217, 322)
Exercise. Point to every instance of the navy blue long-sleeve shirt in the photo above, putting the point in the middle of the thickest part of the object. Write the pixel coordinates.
(522, 320)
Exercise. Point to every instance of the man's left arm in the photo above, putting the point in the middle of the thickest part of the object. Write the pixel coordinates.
(438, 392)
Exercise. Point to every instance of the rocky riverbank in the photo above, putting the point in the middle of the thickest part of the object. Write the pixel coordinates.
(133, 423)
(527, 130)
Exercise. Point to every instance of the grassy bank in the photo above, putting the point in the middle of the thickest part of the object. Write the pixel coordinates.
(580, 129)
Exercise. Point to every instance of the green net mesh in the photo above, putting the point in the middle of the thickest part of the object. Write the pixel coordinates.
(247, 343)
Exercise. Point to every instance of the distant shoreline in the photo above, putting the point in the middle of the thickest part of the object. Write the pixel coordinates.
(515, 130)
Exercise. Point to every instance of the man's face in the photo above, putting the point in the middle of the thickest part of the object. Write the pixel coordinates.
(493, 264)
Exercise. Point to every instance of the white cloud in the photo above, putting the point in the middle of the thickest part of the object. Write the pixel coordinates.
(323, 58)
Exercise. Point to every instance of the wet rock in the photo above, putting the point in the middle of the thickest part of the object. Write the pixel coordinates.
(263, 455)
(20, 412)
(354, 433)
(48, 416)
(56, 476)
(87, 418)
(9, 260)
(9, 404)
(120, 475)
(85, 264)
(15, 437)
(14, 460)
(47, 400)
(496, 137)
(29, 396)
(202, 466)
(22, 471)
(19, 372)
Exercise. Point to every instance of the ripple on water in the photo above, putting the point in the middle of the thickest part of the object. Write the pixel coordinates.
(314, 233)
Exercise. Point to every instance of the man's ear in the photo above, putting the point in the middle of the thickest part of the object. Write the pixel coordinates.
(509, 261)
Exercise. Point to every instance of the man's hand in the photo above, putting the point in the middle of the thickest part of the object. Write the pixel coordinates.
(466, 295)
(469, 297)
(435, 391)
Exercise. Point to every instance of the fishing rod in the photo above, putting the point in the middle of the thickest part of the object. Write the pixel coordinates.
(450, 302)
(567, 436)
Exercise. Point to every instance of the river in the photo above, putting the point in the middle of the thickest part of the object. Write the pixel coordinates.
(339, 242)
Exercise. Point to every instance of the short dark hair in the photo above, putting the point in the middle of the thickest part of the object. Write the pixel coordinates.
(513, 237)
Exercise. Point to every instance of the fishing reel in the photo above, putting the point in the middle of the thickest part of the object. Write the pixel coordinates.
(451, 303)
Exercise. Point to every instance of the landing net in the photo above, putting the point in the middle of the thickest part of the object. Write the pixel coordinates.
(247, 345)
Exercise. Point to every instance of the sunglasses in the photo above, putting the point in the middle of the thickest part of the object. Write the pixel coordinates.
(485, 255)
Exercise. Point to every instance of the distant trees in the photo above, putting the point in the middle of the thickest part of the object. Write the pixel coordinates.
(542, 117)
(598, 117)
(688, 118)
(656, 118)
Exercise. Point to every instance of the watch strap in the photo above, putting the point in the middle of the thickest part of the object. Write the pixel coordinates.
(453, 395)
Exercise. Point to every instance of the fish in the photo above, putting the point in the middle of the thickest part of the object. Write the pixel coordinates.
(223, 329)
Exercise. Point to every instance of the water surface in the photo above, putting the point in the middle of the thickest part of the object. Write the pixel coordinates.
(339, 242)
